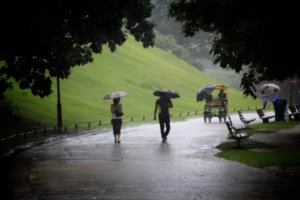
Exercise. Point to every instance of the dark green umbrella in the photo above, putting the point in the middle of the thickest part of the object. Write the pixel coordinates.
(205, 92)
(166, 93)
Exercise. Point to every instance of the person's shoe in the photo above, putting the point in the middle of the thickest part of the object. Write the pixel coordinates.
(119, 141)
(164, 140)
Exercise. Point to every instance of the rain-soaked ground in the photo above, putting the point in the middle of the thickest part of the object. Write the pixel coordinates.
(92, 167)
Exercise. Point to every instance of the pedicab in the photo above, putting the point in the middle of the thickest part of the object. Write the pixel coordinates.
(215, 102)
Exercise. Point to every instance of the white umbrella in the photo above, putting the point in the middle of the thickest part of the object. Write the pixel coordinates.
(115, 95)
(269, 87)
(166, 92)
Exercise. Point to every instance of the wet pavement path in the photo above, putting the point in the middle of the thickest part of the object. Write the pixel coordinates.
(92, 167)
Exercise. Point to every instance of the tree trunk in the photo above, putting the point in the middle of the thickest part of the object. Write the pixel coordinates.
(59, 111)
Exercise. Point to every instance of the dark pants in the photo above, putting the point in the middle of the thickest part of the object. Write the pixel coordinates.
(117, 124)
(164, 120)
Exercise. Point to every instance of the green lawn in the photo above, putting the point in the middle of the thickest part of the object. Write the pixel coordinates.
(276, 125)
(133, 69)
(272, 156)
(263, 159)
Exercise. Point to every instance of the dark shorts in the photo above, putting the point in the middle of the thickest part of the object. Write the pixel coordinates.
(164, 117)
(117, 124)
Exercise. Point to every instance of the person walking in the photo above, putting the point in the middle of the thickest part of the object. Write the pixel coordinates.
(265, 99)
(162, 106)
(275, 95)
(223, 97)
(117, 113)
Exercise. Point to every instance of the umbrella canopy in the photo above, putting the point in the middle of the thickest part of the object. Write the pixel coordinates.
(115, 95)
(269, 87)
(205, 92)
(166, 92)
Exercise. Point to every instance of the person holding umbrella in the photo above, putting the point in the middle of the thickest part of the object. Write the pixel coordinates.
(116, 112)
(162, 105)
(271, 88)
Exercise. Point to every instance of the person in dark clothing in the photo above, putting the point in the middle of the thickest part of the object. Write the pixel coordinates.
(275, 95)
(117, 112)
(223, 97)
(162, 106)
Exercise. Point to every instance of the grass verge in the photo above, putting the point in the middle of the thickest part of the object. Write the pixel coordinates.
(269, 156)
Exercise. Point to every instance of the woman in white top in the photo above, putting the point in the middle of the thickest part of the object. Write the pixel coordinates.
(117, 113)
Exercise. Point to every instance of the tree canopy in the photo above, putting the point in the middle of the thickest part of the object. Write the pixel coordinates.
(258, 37)
(44, 39)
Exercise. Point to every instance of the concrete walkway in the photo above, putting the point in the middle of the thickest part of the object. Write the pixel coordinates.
(92, 167)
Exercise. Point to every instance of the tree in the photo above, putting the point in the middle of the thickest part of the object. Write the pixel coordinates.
(258, 36)
(196, 46)
(45, 39)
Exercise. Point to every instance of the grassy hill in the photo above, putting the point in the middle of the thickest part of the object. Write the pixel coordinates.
(133, 69)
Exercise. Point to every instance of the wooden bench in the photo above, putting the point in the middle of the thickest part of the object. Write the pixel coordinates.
(235, 127)
(295, 114)
(245, 121)
(262, 115)
(236, 134)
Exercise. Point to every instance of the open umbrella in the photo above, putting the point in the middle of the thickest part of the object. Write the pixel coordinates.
(205, 92)
(269, 87)
(115, 95)
(166, 92)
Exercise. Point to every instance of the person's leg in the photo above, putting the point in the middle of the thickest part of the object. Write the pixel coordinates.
(168, 127)
(264, 105)
(119, 125)
(114, 125)
(162, 127)
(118, 138)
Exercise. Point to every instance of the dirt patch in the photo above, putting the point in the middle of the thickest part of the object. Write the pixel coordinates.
(285, 138)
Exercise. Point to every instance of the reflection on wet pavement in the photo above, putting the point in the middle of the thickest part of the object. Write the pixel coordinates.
(91, 166)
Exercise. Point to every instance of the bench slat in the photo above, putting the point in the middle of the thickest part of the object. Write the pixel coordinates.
(263, 117)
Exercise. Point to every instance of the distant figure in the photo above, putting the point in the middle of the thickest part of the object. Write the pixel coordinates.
(223, 97)
(275, 95)
(117, 113)
(265, 99)
(162, 106)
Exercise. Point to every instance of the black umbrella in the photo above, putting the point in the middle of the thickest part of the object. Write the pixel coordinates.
(167, 93)
(205, 92)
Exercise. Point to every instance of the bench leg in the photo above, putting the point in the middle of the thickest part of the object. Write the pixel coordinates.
(238, 143)
(265, 120)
